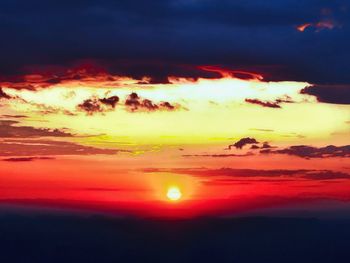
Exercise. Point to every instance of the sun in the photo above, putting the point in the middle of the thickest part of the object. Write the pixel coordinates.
(174, 193)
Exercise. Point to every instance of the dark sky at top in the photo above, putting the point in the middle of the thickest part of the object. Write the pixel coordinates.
(167, 37)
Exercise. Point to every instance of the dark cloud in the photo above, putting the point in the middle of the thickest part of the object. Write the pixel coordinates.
(305, 151)
(3, 95)
(266, 145)
(94, 105)
(242, 142)
(110, 101)
(337, 94)
(217, 155)
(91, 106)
(254, 147)
(326, 175)
(284, 99)
(134, 103)
(26, 159)
(9, 129)
(267, 104)
(167, 105)
(253, 173)
(163, 38)
(25, 147)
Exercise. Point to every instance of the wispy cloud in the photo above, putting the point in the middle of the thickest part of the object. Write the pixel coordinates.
(9, 129)
(37, 148)
(255, 173)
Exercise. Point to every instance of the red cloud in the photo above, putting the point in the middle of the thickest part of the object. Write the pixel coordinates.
(240, 74)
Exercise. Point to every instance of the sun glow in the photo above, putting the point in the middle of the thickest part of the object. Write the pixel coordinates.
(174, 193)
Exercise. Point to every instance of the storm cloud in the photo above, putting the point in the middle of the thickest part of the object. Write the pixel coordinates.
(336, 94)
(165, 38)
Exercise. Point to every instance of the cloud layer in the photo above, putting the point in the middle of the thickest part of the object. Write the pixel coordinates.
(165, 38)
(312, 152)
(25, 147)
(9, 129)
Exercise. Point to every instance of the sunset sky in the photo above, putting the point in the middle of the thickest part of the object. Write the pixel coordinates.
(174, 107)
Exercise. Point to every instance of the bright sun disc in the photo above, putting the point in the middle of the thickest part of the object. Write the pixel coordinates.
(174, 193)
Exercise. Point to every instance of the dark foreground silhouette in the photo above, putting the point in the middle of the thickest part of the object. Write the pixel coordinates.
(79, 238)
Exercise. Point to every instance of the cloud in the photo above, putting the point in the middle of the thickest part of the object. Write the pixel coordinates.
(217, 155)
(13, 116)
(26, 159)
(86, 33)
(224, 72)
(302, 27)
(266, 145)
(336, 94)
(326, 175)
(8, 129)
(305, 151)
(262, 130)
(94, 105)
(134, 103)
(90, 106)
(318, 26)
(110, 101)
(167, 105)
(255, 173)
(47, 109)
(242, 142)
(3, 95)
(263, 103)
(254, 147)
(25, 147)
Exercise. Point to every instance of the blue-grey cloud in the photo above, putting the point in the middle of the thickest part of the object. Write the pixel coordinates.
(172, 37)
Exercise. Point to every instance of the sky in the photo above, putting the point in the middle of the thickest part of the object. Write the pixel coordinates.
(175, 108)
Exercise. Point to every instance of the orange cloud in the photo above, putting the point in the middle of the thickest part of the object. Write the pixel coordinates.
(318, 26)
(302, 27)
